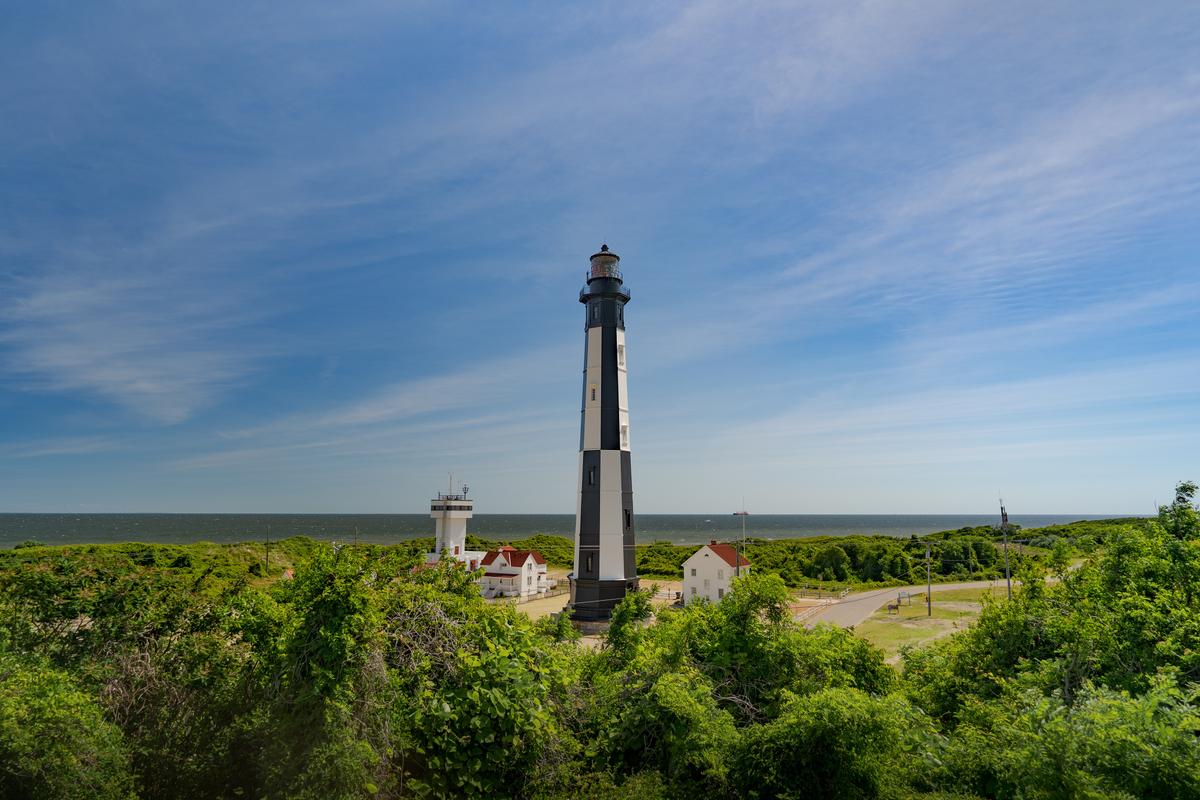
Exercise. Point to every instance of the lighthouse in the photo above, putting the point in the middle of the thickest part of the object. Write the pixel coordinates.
(605, 559)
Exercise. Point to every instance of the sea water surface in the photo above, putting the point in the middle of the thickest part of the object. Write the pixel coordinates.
(55, 529)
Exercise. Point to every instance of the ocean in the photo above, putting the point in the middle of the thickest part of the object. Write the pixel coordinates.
(55, 529)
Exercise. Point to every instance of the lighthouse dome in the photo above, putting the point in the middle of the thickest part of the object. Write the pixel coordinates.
(604, 264)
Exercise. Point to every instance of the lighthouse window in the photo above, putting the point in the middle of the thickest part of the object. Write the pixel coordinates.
(620, 355)
(628, 518)
(589, 563)
(624, 436)
(595, 311)
(591, 476)
(593, 392)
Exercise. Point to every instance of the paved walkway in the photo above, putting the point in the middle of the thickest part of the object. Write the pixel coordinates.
(854, 608)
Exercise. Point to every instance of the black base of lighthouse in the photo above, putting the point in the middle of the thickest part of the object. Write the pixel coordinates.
(594, 600)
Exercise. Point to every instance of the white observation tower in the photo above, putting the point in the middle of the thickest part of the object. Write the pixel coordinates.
(450, 513)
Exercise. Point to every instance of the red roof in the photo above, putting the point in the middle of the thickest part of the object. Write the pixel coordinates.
(728, 554)
(518, 557)
(501, 575)
(515, 558)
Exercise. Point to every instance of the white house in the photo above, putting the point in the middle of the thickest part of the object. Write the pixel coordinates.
(513, 573)
(709, 571)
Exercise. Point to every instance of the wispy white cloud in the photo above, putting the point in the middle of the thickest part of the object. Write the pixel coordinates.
(957, 338)
(1021, 214)
(159, 322)
(148, 342)
(897, 424)
(63, 446)
(476, 407)
(468, 383)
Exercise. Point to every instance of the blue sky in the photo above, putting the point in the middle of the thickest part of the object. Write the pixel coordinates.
(885, 257)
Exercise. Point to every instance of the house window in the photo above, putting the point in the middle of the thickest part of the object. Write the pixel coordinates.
(693, 572)
(591, 476)
(706, 584)
(529, 581)
(720, 593)
(693, 588)
(620, 355)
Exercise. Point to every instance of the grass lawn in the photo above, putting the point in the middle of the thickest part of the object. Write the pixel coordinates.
(953, 610)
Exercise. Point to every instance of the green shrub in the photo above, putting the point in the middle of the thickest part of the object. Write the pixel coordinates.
(836, 743)
(54, 741)
(1107, 744)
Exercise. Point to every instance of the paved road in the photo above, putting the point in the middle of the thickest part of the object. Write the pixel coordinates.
(854, 608)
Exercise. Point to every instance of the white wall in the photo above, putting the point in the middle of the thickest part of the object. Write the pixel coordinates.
(713, 576)
(522, 586)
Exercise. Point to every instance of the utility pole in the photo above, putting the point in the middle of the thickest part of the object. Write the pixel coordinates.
(1004, 528)
(737, 568)
(928, 585)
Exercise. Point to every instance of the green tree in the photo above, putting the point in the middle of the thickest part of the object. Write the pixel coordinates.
(332, 738)
(1106, 744)
(54, 740)
(1180, 519)
(625, 628)
(836, 743)
(833, 563)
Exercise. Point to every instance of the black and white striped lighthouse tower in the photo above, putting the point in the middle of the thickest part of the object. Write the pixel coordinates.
(605, 560)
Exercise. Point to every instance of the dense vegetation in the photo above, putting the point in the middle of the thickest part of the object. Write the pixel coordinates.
(178, 673)
(964, 554)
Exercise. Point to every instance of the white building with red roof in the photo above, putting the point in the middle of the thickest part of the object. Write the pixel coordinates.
(709, 572)
(509, 572)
